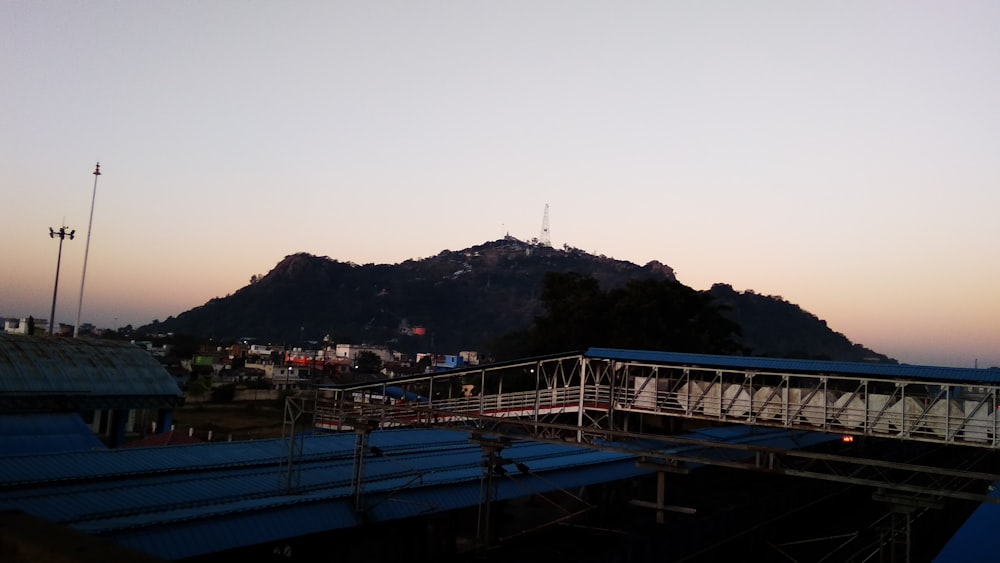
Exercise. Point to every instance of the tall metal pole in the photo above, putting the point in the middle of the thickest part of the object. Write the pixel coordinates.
(61, 233)
(86, 252)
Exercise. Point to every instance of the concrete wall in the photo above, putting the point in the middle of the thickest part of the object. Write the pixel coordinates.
(242, 395)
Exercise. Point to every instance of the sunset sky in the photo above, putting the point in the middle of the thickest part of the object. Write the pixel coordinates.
(842, 155)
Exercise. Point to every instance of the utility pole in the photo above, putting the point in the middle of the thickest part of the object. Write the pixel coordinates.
(86, 251)
(61, 233)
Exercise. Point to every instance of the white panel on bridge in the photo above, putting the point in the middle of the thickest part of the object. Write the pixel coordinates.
(876, 403)
(645, 392)
(690, 395)
(729, 398)
(903, 415)
(852, 411)
(813, 404)
(981, 422)
(769, 402)
(943, 417)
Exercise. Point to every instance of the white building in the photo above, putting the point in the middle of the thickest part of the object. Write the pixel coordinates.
(20, 326)
(289, 377)
(351, 351)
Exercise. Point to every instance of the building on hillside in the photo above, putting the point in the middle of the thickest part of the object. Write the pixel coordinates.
(262, 354)
(443, 362)
(351, 351)
(290, 377)
(304, 357)
(15, 326)
(154, 350)
(26, 326)
(63, 329)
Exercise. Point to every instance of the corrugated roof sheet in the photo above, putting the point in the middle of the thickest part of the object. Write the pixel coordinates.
(237, 530)
(977, 539)
(874, 370)
(219, 496)
(168, 438)
(142, 497)
(777, 438)
(36, 367)
(43, 433)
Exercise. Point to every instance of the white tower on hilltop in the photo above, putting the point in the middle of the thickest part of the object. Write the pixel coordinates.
(544, 239)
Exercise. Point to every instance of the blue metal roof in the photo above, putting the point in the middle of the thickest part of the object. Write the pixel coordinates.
(37, 366)
(977, 539)
(888, 371)
(43, 433)
(145, 497)
(219, 496)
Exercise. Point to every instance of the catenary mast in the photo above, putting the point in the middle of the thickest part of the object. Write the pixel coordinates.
(86, 251)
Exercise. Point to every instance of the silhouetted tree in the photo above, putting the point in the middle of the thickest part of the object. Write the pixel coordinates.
(576, 313)
(368, 362)
(185, 345)
(645, 314)
(224, 393)
(667, 315)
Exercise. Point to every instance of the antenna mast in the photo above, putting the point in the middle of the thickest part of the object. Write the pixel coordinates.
(544, 239)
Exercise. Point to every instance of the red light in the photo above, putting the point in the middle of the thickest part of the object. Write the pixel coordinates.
(847, 439)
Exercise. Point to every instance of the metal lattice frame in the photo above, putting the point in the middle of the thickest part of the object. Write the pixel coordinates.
(928, 411)
(297, 410)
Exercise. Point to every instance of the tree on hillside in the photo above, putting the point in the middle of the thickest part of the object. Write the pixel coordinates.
(368, 362)
(667, 315)
(184, 345)
(645, 314)
(576, 312)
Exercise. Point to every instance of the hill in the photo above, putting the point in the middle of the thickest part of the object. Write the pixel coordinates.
(460, 300)
(774, 327)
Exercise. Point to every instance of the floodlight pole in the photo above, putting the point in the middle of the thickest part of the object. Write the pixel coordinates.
(86, 251)
(61, 233)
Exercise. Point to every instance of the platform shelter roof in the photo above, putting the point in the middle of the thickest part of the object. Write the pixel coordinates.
(58, 374)
(176, 502)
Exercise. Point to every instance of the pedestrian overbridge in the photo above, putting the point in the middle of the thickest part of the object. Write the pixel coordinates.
(899, 426)
(601, 388)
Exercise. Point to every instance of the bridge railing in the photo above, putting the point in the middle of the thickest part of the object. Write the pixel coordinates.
(521, 404)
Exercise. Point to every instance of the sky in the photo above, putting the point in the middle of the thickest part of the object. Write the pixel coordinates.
(842, 155)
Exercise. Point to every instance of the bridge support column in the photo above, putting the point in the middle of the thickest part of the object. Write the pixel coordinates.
(164, 420)
(898, 537)
(288, 475)
(362, 432)
(119, 426)
(660, 506)
(493, 464)
(661, 493)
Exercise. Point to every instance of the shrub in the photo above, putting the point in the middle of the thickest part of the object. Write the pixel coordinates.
(224, 393)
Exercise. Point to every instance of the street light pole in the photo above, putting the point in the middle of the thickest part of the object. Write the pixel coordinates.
(86, 251)
(61, 233)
